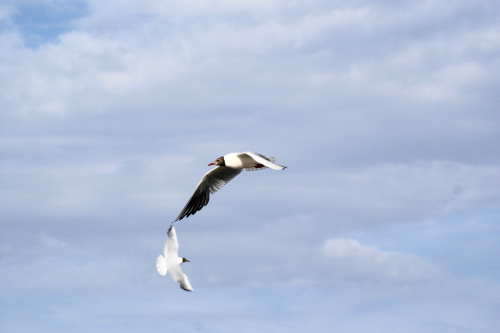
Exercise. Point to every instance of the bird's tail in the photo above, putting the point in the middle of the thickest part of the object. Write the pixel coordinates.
(161, 265)
(262, 167)
(263, 162)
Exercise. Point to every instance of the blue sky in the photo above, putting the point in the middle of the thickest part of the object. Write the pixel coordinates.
(386, 114)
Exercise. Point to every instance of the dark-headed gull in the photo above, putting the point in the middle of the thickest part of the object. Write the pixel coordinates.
(171, 262)
(228, 167)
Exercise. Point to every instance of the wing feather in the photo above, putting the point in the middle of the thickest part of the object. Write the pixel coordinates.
(181, 278)
(185, 284)
(266, 161)
(210, 183)
(171, 245)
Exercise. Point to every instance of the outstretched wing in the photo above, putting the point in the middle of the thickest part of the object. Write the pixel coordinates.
(181, 278)
(210, 183)
(171, 245)
(264, 161)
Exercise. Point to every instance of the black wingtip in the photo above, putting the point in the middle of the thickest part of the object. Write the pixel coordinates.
(180, 217)
(184, 288)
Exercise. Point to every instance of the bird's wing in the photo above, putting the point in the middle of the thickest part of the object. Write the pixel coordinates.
(210, 183)
(264, 161)
(171, 245)
(181, 278)
(161, 265)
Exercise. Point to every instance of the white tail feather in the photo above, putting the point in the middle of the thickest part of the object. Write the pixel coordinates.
(161, 265)
(266, 161)
(272, 159)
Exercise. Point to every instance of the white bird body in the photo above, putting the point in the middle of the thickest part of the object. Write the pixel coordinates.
(238, 161)
(171, 262)
(228, 167)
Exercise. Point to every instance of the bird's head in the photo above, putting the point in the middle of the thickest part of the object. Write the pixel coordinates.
(184, 260)
(219, 161)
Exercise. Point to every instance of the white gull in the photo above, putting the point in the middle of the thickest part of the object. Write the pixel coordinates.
(171, 262)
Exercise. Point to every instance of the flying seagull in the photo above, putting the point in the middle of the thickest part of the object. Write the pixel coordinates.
(228, 167)
(171, 262)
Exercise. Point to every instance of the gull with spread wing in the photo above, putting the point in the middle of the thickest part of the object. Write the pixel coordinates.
(228, 167)
(171, 262)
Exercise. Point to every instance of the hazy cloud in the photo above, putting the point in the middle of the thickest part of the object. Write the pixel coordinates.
(350, 259)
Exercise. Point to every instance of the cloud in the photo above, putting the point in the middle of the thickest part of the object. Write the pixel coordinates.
(351, 260)
(385, 114)
(379, 194)
(6, 11)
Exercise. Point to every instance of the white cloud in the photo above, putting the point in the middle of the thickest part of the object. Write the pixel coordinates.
(6, 12)
(351, 260)
(384, 112)
(385, 193)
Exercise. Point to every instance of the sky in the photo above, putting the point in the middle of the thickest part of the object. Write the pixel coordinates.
(386, 114)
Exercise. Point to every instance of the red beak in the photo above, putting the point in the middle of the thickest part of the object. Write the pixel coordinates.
(213, 163)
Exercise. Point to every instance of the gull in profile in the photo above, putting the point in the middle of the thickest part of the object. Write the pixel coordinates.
(228, 167)
(171, 262)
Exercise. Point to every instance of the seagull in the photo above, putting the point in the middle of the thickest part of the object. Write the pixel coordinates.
(228, 167)
(171, 262)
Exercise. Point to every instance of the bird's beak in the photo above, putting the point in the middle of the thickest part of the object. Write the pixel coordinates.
(213, 163)
(186, 260)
